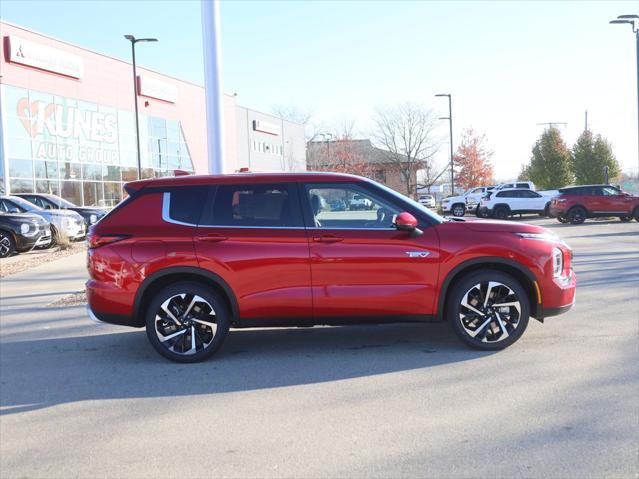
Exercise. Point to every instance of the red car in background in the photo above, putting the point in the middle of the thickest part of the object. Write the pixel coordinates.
(189, 257)
(576, 203)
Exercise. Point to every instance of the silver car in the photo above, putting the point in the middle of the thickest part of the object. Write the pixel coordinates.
(69, 223)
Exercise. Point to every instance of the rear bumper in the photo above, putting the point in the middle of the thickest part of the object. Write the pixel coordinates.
(117, 319)
(109, 304)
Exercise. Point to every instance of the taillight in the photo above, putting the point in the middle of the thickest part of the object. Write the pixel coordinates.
(95, 240)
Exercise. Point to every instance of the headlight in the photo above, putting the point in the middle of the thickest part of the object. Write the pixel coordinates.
(28, 229)
(93, 219)
(557, 262)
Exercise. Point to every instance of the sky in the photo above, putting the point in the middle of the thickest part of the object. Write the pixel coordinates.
(509, 65)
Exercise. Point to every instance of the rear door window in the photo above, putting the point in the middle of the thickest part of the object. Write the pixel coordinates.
(255, 205)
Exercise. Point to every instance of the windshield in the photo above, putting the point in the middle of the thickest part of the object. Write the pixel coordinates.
(434, 216)
(60, 202)
(24, 204)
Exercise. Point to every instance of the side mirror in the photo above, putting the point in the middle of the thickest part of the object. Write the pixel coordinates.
(407, 222)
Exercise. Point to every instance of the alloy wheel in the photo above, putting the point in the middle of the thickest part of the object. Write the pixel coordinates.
(185, 324)
(490, 312)
(459, 210)
(6, 248)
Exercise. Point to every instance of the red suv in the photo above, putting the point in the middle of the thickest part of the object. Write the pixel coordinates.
(576, 203)
(189, 257)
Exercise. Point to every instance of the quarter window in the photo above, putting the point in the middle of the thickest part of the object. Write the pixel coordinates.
(186, 203)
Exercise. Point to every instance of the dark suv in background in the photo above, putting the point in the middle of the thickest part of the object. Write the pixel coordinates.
(576, 203)
(21, 232)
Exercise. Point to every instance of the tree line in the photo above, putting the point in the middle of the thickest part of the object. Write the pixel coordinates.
(407, 137)
(553, 164)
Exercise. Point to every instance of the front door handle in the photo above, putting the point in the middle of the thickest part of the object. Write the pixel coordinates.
(212, 238)
(328, 239)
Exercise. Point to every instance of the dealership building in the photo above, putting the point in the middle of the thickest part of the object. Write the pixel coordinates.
(68, 125)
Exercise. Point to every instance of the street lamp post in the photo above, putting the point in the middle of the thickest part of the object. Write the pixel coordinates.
(633, 20)
(452, 153)
(133, 41)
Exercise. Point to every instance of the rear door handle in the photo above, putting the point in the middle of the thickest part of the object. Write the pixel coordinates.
(328, 239)
(212, 238)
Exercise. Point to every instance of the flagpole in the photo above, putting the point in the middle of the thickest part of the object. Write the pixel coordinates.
(211, 48)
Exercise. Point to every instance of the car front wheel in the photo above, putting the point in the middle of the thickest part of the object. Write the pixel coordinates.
(187, 322)
(458, 210)
(625, 219)
(488, 310)
(7, 245)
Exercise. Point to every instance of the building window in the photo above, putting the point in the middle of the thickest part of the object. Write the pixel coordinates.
(380, 175)
(91, 161)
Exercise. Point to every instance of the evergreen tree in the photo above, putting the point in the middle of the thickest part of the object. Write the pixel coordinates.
(590, 155)
(550, 165)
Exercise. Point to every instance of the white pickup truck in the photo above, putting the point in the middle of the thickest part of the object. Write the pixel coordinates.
(468, 202)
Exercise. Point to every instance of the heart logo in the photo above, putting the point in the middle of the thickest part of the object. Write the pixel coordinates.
(28, 114)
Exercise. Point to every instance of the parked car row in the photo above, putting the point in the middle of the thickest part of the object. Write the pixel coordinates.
(572, 204)
(34, 220)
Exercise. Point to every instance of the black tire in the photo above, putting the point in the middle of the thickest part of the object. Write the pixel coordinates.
(625, 219)
(501, 213)
(576, 215)
(458, 209)
(195, 331)
(7, 244)
(546, 212)
(561, 219)
(463, 320)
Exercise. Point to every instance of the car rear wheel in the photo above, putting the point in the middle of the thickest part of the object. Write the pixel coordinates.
(577, 215)
(625, 219)
(187, 322)
(501, 213)
(488, 310)
(458, 210)
(635, 213)
(7, 245)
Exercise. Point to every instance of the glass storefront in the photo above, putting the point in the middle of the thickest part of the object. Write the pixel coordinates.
(82, 151)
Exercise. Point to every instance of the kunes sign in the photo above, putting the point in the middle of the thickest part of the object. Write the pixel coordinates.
(46, 120)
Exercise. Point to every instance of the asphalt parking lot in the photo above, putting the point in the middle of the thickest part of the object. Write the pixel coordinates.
(78, 399)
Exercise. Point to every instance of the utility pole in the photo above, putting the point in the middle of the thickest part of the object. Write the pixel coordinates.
(552, 124)
(586, 125)
(633, 20)
(452, 152)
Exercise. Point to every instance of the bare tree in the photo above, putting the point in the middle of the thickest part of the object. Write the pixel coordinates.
(339, 152)
(292, 113)
(407, 132)
(428, 176)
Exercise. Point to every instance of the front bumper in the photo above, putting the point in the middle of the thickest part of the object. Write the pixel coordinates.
(559, 295)
(556, 212)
